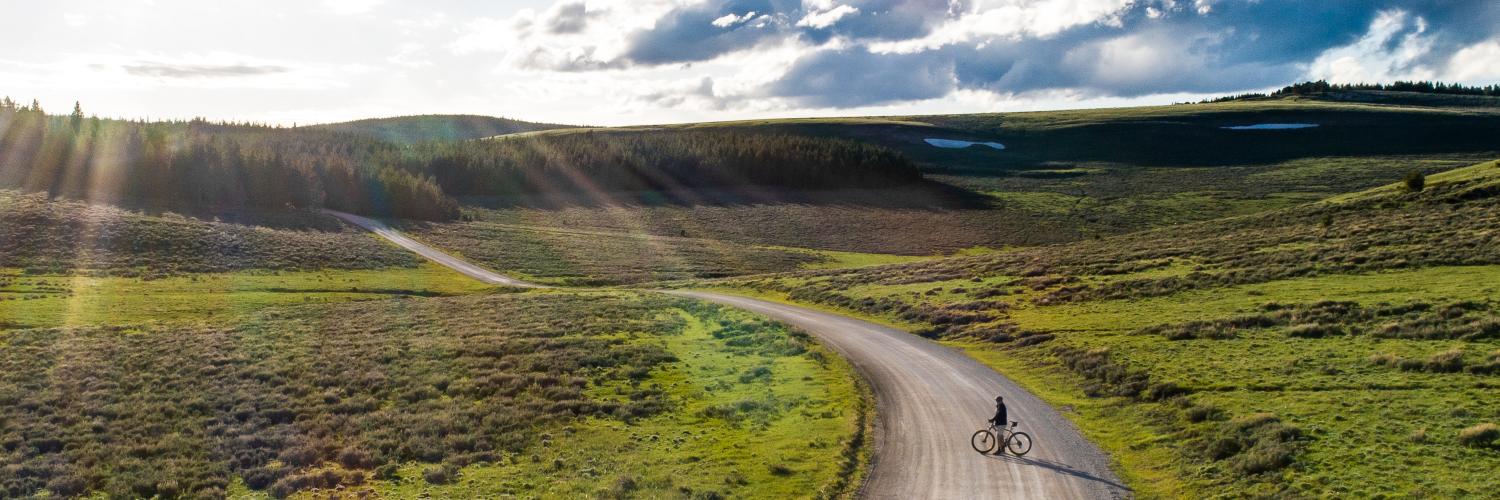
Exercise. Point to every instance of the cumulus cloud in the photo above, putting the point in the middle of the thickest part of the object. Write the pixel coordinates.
(567, 18)
(1478, 63)
(859, 53)
(1148, 48)
(732, 19)
(824, 18)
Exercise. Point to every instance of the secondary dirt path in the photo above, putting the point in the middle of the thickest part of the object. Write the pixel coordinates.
(929, 399)
(430, 253)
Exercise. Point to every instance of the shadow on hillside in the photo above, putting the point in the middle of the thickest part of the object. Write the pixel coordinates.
(926, 195)
(1201, 141)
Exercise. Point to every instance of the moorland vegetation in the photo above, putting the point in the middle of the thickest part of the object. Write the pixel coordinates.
(1285, 353)
(55, 236)
(425, 393)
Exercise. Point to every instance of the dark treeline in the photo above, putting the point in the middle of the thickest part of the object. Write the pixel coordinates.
(600, 161)
(202, 165)
(1323, 87)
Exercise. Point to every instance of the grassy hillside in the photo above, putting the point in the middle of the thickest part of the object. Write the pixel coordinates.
(52, 236)
(899, 221)
(1064, 175)
(274, 353)
(1175, 135)
(1306, 351)
(498, 392)
(429, 128)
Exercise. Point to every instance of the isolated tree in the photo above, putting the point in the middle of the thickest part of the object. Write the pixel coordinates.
(1415, 181)
(76, 118)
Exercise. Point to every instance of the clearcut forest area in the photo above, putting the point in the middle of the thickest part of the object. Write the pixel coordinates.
(1285, 295)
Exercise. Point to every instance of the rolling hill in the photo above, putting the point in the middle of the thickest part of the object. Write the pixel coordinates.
(1270, 315)
(60, 236)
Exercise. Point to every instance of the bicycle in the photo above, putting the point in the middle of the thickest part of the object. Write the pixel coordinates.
(985, 440)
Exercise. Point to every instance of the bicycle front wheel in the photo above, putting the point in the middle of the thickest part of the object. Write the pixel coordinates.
(1019, 443)
(983, 441)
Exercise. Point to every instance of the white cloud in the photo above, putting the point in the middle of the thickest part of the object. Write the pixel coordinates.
(732, 19)
(1476, 64)
(529, 39)
(1008, 19)
(1394, 48)
(825, 18)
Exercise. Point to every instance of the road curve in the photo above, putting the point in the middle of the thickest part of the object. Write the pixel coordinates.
(929, 399)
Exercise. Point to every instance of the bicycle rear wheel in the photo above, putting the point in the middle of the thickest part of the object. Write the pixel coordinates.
(1019, 443)
(984, 441)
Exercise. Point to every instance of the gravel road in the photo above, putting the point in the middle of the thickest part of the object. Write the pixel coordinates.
(929, 399)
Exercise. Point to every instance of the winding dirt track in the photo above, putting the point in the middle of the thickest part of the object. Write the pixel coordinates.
(929, 398)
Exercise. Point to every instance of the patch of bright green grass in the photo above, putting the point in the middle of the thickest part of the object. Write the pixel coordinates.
(1360, 417)
(1487, 174)
(48, 301)
(1400, 286)
(744, 425)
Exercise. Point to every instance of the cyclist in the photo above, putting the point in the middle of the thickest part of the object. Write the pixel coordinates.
(999, 420)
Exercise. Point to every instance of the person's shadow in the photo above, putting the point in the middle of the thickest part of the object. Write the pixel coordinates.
(1058, 467)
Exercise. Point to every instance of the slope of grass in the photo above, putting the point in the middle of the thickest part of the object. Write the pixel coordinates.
(44, 301)
(59, 236)
(572, 256)
(916, 223)
(1305, 351)
(1065, 176)
(543, 393)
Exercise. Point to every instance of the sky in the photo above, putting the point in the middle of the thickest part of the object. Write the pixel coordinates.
(617, 62)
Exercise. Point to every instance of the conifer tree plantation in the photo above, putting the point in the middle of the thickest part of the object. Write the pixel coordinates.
(708, 250)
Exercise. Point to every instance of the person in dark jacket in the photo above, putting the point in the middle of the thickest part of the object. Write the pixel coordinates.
(1000, 422)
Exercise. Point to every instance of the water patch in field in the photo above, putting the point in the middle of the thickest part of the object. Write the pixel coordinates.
(954, 144)
(1272, 126)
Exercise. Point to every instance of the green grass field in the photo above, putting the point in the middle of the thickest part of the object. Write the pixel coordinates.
(747, 424)
(551, 394)
(1187, 300)
(1305, 351)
